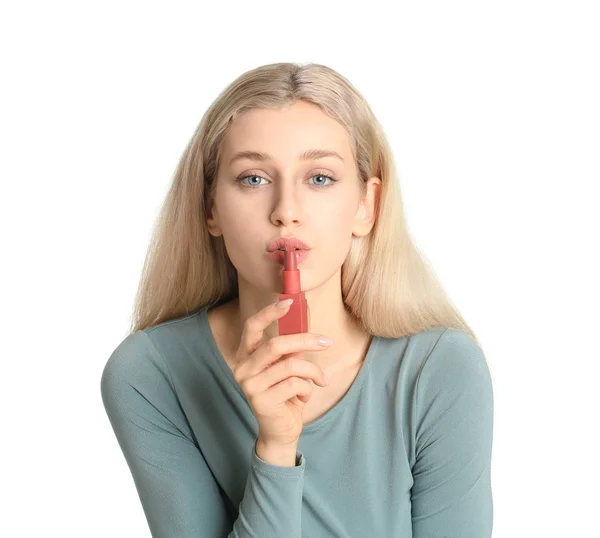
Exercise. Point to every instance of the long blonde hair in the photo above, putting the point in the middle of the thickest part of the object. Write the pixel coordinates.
(387, 283)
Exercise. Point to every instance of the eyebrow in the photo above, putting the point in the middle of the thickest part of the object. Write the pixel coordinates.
(308, 155)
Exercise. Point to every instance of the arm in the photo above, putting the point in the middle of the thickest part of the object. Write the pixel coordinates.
(178, 492)
(453, 411)
(283, 457)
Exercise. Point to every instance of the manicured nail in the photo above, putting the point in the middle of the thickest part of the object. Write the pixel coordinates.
(325, 341)
(284, 304)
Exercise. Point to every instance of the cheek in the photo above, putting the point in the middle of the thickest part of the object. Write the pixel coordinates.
(337, 232)
(336, 218)
(236, 214)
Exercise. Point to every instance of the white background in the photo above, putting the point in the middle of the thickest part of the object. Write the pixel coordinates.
(492, 111)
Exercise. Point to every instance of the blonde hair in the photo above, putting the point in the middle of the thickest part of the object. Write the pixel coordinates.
(387, 283)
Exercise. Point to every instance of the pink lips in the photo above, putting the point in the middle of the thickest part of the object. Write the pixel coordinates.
(287, 242)
(276, 247)
(277, 256)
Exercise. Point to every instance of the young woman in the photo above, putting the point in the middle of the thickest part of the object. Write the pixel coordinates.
(232, 429)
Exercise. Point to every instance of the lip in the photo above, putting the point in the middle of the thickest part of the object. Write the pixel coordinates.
(287, 243)
(278, 255)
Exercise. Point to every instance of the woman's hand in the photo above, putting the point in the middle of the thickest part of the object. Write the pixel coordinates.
(277, 390)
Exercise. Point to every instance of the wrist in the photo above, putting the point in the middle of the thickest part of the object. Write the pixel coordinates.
(282, 456)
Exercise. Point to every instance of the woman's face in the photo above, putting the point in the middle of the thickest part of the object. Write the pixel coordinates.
(316, 200)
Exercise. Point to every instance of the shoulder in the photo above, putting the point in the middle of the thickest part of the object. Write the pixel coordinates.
(136, 362)
(438, 363)
(138, 392)
(455, 369)
(159, 357)
(455, 352)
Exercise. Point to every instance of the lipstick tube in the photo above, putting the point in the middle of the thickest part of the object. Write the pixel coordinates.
(296, 318)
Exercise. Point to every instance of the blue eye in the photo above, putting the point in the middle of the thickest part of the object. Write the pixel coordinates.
(320, 185)
(239, 180)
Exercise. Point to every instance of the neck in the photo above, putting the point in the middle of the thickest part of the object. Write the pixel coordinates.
(327, 316)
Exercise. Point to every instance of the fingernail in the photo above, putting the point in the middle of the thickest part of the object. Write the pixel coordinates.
(285, 303)
(325, 341)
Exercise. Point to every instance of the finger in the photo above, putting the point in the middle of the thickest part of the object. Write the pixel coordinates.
(286, 368)
(284, 391)
(281, 347)
(254, 380)
(254, 327)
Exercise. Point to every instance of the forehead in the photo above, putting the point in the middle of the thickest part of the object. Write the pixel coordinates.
(286, 133)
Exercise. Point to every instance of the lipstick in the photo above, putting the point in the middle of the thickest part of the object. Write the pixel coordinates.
(296, 318)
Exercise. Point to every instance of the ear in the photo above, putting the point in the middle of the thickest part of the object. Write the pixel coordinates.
(212, 221)
(366, 213)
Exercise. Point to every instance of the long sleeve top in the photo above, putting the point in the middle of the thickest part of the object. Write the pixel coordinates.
(406, 452)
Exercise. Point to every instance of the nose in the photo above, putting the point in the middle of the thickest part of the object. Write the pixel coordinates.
(288, 207)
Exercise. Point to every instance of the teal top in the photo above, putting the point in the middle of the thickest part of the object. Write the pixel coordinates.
(405, 453)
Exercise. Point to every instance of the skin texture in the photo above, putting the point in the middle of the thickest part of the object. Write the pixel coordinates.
(287, 199)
